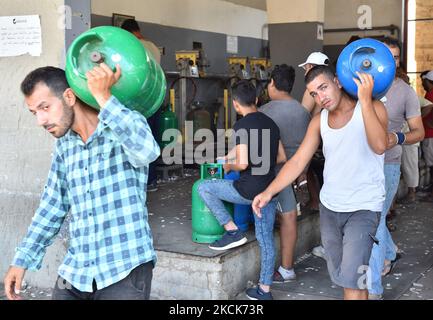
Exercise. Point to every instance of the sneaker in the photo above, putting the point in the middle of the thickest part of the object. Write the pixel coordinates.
(319, 251)
(278, 277)
(258, 294)
(230, 239)
(152, 187)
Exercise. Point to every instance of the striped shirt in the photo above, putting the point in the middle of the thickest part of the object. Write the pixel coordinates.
(102, 185)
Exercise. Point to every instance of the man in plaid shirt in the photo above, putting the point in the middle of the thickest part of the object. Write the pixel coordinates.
(98, 175)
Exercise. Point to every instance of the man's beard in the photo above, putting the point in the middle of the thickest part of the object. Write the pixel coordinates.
(66, 121)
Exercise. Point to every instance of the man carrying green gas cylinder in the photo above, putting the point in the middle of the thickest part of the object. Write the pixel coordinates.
(98, 175)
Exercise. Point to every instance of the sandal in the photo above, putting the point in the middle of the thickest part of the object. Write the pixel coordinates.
(387, 269)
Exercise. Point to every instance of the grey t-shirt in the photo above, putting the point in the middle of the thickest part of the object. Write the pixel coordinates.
(292, 119)
(402, 103)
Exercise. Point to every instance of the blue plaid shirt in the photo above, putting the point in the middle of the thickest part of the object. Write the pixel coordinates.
(102, 183)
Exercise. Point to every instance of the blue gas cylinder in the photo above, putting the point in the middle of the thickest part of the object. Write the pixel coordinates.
(366, 56)
(242, 213)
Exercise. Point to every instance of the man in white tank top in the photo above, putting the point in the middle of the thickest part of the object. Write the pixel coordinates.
(354, 135)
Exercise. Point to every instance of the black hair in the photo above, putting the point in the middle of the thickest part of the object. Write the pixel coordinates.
(392, 42)
(130, 25)
(54, 78)
(284, 77)
(316, 71)
(353, 39)
(244, 92)
(425, 80)
(423, 74)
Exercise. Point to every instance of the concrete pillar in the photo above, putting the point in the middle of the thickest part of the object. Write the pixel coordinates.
(79, 21)
(25, 154)
(293, 34)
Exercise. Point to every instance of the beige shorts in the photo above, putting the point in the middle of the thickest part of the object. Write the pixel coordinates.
(409, 165)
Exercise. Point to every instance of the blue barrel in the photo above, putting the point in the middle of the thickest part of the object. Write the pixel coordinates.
(242, 213)
(366, 56)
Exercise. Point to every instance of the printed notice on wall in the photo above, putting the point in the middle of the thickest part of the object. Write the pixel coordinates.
(232, 44)
(20, 35)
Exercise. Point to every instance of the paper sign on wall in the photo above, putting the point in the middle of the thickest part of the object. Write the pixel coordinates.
(232, 44)
(20, 35)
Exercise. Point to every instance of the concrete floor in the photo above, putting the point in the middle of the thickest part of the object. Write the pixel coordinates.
(170, 214)
(411, 279)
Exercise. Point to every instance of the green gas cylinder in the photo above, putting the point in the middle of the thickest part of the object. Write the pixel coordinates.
(142, 85)
(205, 227)
(167, 120)
(200, 117)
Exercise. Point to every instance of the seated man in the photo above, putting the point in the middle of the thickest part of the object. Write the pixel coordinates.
(255, 177)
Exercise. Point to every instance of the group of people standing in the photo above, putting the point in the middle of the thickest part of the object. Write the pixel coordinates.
(100, 170)
(361, 141)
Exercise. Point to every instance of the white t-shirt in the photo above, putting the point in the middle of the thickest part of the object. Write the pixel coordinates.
(153, 49)
(354, 175)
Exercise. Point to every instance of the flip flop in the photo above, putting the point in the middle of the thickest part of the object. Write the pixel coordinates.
(387, 269)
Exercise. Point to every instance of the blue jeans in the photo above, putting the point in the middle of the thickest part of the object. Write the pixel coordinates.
(386, 247)
(214, 192)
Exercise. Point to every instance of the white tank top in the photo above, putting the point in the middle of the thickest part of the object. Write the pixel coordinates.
(354, 175)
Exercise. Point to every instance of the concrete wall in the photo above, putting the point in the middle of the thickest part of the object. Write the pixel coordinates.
(283, 11)
(176, 38)
(25, 149)
(293, 34)
(258, 4)
(204, 15)
(175, 25)
(291, 43)
(79, 19)
(344, 14)
(187, 277)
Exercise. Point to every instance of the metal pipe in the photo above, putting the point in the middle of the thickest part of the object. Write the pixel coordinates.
(226, 108)
(391, 28)
(172, 100)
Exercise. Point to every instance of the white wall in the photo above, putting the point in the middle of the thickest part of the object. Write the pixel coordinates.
(204, 15)
(344, 14)
(26, 149)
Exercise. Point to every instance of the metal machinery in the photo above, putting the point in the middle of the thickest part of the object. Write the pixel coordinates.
(186, 63)
(259, 73)
(191, 67)
(238, 67)
(190, 64)
(237, 71)
(260, 68)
